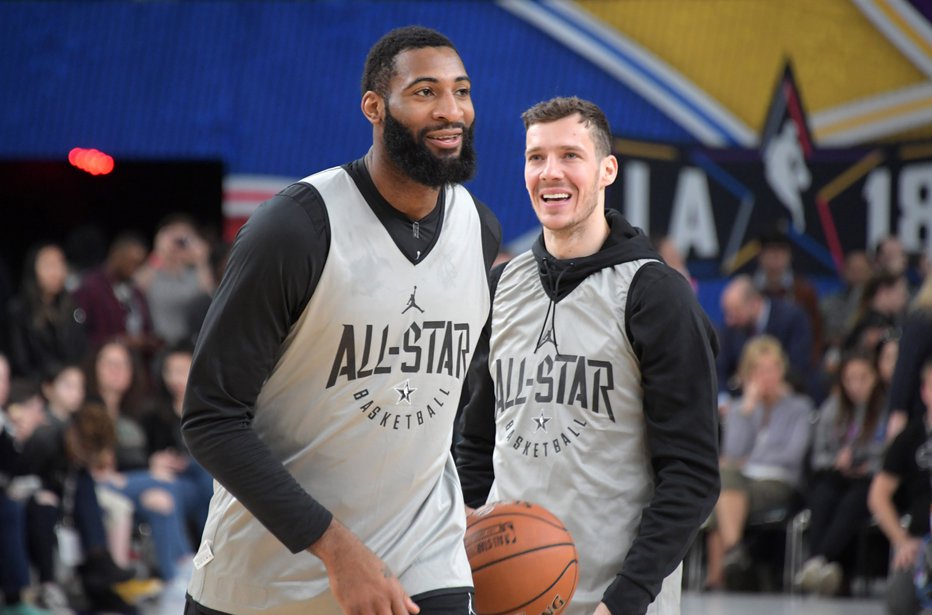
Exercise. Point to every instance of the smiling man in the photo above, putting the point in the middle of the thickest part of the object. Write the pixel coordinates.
(593, 392)
(327, 374)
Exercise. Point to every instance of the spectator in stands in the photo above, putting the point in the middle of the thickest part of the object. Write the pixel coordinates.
(672, 256)
(890, 256)
(14, 553)
(776, 279)
(905, 401)
(883, 307)
(847, 451)
(14, 557)
(766, 434)
(166, 447)
(113, 304)
(747, 314)
(176, 278)
(839, 307)
(25, 413)
(63, 388)
(126, 467)
(85, 440)
(900, 488)
(886, 356)
(46, 325)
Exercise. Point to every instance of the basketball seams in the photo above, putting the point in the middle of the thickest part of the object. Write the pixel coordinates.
(531, 550)
(537, 576)
(573, 564)
(551, 522)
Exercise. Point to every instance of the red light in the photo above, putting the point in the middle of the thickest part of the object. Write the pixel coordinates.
(91, 161)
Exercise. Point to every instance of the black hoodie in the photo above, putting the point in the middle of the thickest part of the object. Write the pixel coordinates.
(675, 345)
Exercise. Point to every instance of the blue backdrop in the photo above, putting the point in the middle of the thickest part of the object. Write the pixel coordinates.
(273, 88)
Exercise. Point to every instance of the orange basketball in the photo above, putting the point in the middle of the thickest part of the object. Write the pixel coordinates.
(523, 560)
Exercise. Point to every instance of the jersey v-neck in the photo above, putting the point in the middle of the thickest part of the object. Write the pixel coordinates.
(414, 238)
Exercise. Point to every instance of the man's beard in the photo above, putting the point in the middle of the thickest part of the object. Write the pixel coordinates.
(415, 160)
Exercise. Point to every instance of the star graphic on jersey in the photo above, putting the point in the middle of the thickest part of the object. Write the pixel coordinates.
(404, 392)
(541, 421)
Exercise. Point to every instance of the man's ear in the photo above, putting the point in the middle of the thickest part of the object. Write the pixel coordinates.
(609, 170)
(373, 107)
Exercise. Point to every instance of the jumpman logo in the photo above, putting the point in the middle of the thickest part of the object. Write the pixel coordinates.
(412, 303)
(548, 331)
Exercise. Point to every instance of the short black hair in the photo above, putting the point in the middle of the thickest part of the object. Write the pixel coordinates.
(380, 63)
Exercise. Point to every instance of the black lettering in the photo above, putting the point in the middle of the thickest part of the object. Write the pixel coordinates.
(433, 326)
(346, 351)
(360, 394)
(445, 362)
(411, 336)
(362, 372)
(462, 348)
(379, 368)
(599, 391)
(499, 388)
(509, 400)
(543, 370)
(517, 443)
(578, 393)
(384, 421)
(561, 386)
(518, 398)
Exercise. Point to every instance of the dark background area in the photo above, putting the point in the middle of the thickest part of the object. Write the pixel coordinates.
(52, 200)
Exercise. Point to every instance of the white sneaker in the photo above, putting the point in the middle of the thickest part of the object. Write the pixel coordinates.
(809, 576)
(52, 598)
(831, 578)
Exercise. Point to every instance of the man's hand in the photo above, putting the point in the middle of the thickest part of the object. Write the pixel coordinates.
(601, 609)
(906, 553)
(360, 582)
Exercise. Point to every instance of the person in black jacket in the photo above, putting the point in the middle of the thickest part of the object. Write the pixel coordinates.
(593, 392)
(46, 325)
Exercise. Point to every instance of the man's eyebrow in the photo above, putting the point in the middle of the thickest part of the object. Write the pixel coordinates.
(435, 80)
(563, 148)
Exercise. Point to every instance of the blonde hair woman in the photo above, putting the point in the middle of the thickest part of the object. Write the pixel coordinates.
(765, 437)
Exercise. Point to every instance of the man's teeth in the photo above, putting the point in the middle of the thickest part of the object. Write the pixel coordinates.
(555, 197)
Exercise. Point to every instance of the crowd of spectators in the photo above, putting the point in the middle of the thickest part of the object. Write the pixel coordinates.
(101, 507)
(822, 405)
(822, 408)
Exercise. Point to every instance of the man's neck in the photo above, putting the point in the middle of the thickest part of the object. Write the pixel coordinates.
(578, 242)
(411, 198)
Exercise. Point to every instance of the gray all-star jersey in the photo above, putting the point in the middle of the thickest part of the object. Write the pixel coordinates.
(359, 409)
(570, 430)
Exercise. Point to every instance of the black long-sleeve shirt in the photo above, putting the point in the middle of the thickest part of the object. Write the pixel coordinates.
(674, 344)
(272, 272)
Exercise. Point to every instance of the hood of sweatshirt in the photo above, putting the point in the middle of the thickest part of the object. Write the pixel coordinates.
(624, 243)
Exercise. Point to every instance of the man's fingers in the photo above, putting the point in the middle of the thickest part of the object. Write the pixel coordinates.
(412, 607)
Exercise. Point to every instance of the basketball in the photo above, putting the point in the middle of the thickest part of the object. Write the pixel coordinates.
(523, 560)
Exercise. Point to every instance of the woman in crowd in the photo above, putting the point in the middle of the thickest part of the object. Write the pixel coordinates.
(46, 325)
(166, 447)
(847, 450)
(127, 469)
(905, 402)
(765, 438)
